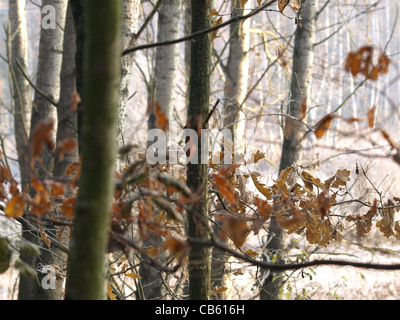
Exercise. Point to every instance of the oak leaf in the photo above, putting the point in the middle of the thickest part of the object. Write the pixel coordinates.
(225, 188)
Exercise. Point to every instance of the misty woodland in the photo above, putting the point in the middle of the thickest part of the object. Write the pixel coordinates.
(199, 150)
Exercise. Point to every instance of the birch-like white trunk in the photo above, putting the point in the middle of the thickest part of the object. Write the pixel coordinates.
(166, 59)
(48, 71)
(130, 21)
(48, 82)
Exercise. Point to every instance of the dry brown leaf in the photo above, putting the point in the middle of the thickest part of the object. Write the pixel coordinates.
(371, 116)
(294, 4)
(243, 3)
(214, 12)
(214, 34)
(15, 207)
(323, 125)
(44, 237)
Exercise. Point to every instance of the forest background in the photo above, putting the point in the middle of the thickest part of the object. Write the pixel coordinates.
(344, 178)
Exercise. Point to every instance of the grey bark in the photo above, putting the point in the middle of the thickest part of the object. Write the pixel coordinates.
(303, 57)
(166, 58)
(197, 177)
(130, 21)
(48, 74)
(236, 74)
(166, 68)
(22, 101)
(67, 118)
(48, 82)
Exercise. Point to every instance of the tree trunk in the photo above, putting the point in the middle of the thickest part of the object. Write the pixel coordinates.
(78, 8)
(67, 118)
(166, 58)
(48, 75)
(199, 100)
(303, 57)
(67, 129)
(236, 75)
(130, 21)
(86, 272)
(162, 94)
(18, 52)
(48, 82)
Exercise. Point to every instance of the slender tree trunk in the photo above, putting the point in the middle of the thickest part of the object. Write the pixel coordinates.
(303, 57)
(48, 75)
(67, 118)
(233, 118)
(166, 68)
(199, 100)
(78, 8)
(67, 129)
(86, 272)
(237, 74)
(18, 53)
(48, 82)
(187, 29)
(130, 21)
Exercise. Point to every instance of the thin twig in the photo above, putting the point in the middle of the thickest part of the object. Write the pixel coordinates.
(291, 266)
(34, 87)
(199, 33)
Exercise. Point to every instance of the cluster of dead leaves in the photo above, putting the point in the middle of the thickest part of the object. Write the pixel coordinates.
(301, 207)
(49, 195)
(362, 62)
(387, 224)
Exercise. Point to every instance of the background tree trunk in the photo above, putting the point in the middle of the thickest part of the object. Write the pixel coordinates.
(18, 53)
(130, 21)
(48, 82)
(236, 74)
(199, 100)
(78, 8)
(166, 68)
(86, 272)
(303, 57)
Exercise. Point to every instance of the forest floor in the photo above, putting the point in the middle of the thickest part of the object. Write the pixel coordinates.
(351, 283)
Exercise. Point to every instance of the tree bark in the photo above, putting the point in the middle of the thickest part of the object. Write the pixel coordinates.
(166, 67)
(303, 57)
(236, 74)
(48, 82)
(130, 21)
(86, 272)
(199, 100)
(67, 118)
(22, 101)
(48, 76)
(162, 94)
(78, 8)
